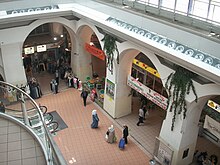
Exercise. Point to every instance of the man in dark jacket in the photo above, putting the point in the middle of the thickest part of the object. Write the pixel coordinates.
(84, 95)
(125, 133)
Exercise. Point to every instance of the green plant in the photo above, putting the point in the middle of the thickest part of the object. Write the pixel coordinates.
(110, 47)
(181, 83)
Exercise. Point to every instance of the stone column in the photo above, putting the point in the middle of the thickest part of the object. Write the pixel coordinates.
(121, 104)
(13, 63)
(184, 136)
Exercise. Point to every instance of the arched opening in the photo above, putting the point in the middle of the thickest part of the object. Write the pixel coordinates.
(209, 135)
(93, 72)
(146, 87)
(46, 54)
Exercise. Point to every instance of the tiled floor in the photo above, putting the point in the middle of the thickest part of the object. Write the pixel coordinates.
(82, 145)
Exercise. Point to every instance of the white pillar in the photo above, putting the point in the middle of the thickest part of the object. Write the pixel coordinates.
(84, 65)
(185, 133)
(120, 105)
(13, 64)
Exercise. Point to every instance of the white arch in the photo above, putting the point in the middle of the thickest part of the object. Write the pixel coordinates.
(81, 24)
(35, 24)
(127, 46)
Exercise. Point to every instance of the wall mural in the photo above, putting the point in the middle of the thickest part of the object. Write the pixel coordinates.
(213, 61)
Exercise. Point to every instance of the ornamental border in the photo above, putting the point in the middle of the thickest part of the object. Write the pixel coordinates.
(188, 51)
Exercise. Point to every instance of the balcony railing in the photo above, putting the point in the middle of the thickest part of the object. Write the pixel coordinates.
(16, 103)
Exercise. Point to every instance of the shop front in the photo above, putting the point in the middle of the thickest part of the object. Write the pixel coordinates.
(95, 84)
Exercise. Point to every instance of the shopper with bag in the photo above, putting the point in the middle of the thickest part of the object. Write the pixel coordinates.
(125, 133)
(110, 134)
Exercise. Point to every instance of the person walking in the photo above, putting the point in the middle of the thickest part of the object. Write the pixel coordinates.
(125, 133)
(2, 107)
(145, 111)
(84, 95)
(57, 77)
(141, 116)
(95, 119)
(54, 86)
(111, 134)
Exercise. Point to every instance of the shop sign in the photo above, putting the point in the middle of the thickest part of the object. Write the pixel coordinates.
(212, 126)
(29, 50)
(41, 48)
(33, 9)
(213, 105)
(95, 51)
(146, 68)
(150, 94)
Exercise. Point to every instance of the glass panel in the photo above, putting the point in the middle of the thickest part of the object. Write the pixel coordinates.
(214, 11)
(182, 6)
(153, 2)
(168, 4)
(200, 8)
(149, 2)
(134, 73)
(158, 85)
(150, 80)
(140, 77)
(216, 14)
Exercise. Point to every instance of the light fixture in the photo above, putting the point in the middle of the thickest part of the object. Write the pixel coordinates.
(55, 38)
(66, 49)
(212, 33)
(61, 35)
(126, 6)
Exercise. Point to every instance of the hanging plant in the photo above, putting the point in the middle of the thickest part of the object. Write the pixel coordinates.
(181, 82)
(110, 47)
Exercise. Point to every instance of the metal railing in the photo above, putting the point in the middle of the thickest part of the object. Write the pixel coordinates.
(173, 14)
(16, 103)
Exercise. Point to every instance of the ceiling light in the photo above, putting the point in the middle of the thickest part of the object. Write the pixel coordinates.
(61, 35)
(55, 38)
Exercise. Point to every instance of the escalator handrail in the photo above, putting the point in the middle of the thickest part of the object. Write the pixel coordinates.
(47, 133)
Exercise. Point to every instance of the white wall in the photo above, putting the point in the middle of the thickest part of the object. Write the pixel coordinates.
(12, 56)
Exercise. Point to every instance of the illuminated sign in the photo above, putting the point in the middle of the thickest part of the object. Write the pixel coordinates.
(33, 9)
(29, 50)
(41, 48)
(150, 94)
(146, 67)
(95, 51)
(213, 105)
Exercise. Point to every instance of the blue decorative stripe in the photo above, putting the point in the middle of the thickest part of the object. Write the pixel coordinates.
(204, 57)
